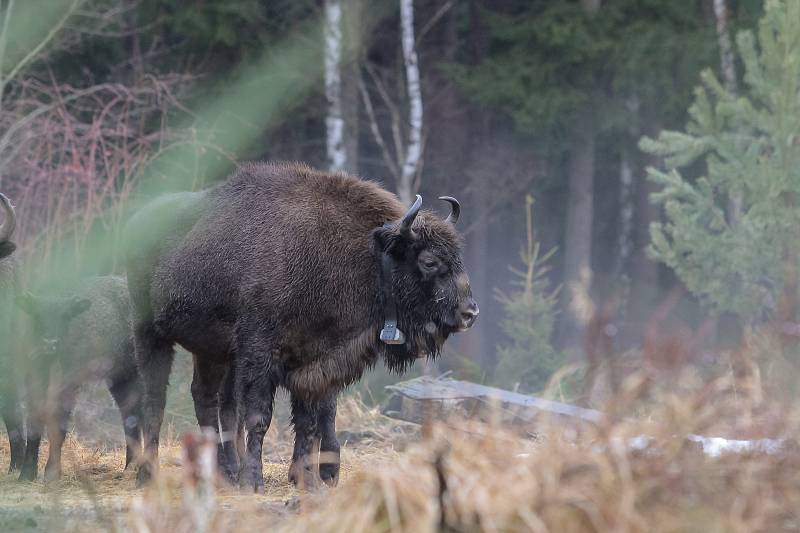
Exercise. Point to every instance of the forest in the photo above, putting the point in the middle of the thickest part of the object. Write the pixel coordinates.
(627, 171)
(491, 102)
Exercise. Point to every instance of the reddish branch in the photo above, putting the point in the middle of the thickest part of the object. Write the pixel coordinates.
(71, 156)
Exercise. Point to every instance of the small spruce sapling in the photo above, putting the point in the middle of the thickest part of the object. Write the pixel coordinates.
(528, 359)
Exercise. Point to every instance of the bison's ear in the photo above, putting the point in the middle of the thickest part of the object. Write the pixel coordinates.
(390, 241)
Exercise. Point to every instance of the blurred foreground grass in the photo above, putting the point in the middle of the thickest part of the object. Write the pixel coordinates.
(635, 471)
(96, 495)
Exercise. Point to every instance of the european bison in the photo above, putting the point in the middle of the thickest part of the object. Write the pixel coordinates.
(81, 335)
(287, 276)
(9, 287)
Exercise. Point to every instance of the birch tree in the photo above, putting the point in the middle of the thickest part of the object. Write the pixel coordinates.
(334, 122)
(406, 186)
(403, 155)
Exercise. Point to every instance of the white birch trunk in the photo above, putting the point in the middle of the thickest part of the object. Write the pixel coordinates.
(334, 122)
(413, 153)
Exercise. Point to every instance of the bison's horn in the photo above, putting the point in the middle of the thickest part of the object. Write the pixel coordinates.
(408, 218)
(455, 209)
(7, 230)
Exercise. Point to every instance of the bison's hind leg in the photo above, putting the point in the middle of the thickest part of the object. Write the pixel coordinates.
(256, 382)
(228, 452)
(214, 405)
(127, 391)
(154, 357)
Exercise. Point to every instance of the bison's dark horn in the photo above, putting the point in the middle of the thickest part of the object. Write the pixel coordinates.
(408, 218)
(455, 209)
(7, 230)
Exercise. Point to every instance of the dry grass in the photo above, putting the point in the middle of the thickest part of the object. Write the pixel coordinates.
(96, 495)
(471, 476)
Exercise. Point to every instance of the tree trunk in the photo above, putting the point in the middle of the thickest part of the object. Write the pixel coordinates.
(787, 304)
(576, 300)
(644, 272)
(626, 210)
(334, 122)
(727, 59)
(728, 68)
(450, 120)
(407, 186)
(134, 41)
(352, 13)
(473, 135)
(578, 239)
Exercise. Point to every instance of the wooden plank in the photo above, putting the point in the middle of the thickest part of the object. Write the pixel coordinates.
(426, 388)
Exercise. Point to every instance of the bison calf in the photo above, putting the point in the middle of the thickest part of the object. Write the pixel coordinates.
(85, 336)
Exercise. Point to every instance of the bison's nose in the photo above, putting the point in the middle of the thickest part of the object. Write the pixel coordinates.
(469, 313)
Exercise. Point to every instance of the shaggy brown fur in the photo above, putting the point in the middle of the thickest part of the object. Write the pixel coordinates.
(9, 397)
(273, 278)
(80, 334)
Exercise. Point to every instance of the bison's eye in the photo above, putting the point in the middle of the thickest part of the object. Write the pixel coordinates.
(428, 264)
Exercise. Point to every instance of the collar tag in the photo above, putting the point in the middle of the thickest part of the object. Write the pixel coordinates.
(391, 334)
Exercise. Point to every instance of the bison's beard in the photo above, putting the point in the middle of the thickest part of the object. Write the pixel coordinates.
(424, 339)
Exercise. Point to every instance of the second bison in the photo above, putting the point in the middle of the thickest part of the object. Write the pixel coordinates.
(287, 276)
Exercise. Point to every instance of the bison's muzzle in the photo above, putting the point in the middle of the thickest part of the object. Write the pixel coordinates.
(467, 314)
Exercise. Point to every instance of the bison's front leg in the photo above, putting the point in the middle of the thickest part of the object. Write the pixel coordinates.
(255, 395)
(37, 382)
(57, 428)
(329, 458)
(314, 425)
(302, 471)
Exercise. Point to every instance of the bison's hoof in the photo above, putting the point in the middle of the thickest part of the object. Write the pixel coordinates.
(27, 474)
(230, 475)
(252, 482)
(302, 474)
(144, 475)
(329, 473)
(51, 474)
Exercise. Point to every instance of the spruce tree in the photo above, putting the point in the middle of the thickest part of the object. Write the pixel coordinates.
(529, 359)
(744, 146)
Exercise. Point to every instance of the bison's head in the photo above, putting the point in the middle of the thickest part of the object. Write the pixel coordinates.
(429, 284)
(51, 318)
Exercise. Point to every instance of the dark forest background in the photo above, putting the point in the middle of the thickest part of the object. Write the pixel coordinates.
(532, 115)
